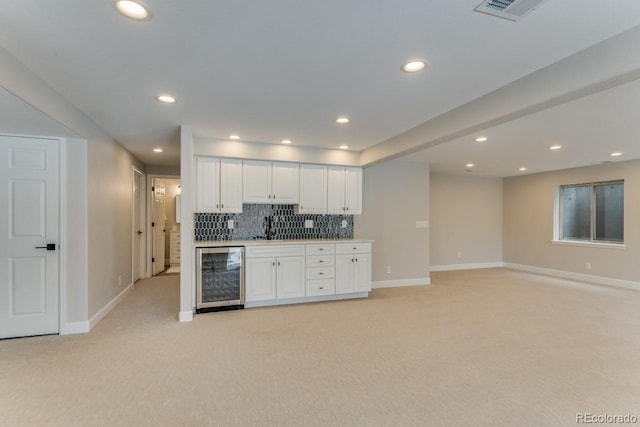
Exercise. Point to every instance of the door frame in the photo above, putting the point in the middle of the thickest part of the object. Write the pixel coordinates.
(142, 187)
(149, 240)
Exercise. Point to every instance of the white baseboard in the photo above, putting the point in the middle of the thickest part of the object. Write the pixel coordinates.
(107, 308)
(70, 328)
(627, 284)
(474, 266)
(185, 316)
(402, 282)
(334, 297)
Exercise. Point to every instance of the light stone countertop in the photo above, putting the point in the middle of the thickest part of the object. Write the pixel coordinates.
(264, 242)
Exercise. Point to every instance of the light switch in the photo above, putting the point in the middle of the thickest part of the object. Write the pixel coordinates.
(422, 224)
(230, 224)
(308, 223)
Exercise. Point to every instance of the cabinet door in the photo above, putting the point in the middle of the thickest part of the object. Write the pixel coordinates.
(344, 273)
(353, 190)
(285, 181)
(335, 190)
(260, 279)
(230, 185)
(290, 277)
(207, 184)
(256, 182)
(313, 189)
(362, 273)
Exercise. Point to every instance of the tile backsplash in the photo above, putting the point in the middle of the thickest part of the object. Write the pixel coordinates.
(252, 223)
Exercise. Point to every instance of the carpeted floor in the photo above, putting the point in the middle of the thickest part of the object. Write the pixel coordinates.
(476, 348)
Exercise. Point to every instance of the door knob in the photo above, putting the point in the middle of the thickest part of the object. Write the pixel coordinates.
(49, 247)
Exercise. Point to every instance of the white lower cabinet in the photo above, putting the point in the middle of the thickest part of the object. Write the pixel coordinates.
(274, 277)
(260, 279)
(290, 277)
(282, 272)
(353, 268)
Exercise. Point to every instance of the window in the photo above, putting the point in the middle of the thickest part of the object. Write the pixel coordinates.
(592, 212)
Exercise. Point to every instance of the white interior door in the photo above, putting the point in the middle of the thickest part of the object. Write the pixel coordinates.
(28, 224)
(158, 228)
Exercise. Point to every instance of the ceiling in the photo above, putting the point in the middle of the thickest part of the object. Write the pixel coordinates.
(287, 69)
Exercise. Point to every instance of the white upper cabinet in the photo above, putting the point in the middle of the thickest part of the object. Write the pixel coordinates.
(230, 185)
(344, 188)
(256, 182)
(270, 182)
(353, 190)
(285, 182)
(313, 190)
(218, 185)
(207, 184)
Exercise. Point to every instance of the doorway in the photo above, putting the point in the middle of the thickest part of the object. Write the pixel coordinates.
(29, 235)
(165, 225)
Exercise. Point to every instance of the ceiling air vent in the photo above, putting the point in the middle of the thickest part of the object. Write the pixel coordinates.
(508, 9)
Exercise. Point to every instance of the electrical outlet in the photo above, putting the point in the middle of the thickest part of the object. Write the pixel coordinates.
(587, 265)
(344, 223)
(308, 223)
(388, 269)
(230, 224)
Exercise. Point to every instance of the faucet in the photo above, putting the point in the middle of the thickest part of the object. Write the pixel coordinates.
(270, 231)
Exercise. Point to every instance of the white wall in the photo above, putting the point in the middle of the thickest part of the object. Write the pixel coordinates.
(110, 190)
(466, 221)
(395, 196)
(105, 225)
(529, 217)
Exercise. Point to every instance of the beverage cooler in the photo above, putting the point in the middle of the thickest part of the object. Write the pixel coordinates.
(219, 278)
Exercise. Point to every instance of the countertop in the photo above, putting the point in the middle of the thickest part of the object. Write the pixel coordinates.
(218, 243)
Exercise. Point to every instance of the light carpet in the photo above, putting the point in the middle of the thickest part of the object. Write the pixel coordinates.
(476, 348)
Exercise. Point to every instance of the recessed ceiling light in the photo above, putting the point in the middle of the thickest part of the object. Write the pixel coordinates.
(133, 9)
(469, 165)
(344, 147)
(286, 141)
(616, 154)
(158, 150)
(342, 120)
(481, 139)
(522, 169)
(166, 99)
(555, 147)
(234, 137)
(414, 65)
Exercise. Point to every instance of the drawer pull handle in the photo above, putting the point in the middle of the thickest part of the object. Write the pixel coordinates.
(355, 249)
(321, 261)
(321, 287)
(321, 274)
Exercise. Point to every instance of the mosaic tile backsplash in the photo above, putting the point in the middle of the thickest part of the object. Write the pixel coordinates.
(253, 223)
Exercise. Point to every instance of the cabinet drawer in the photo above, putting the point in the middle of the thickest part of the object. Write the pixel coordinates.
(353, 248)
(320, 249)
(273, 251)
(320, 272)
(320, 260)
(321, 287)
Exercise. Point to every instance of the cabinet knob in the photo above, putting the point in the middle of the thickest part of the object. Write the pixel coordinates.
(274, 263)
(278, 263)
(222, 206)
(320, 274)
(347, 208)
(321, 287)
(321, 261)
(356, 259)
